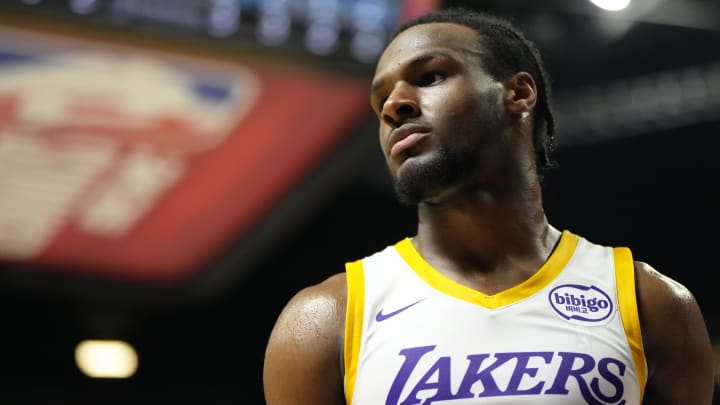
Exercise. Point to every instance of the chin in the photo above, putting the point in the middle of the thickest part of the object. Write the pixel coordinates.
(423, 177)
(406, 196)
(415, 180)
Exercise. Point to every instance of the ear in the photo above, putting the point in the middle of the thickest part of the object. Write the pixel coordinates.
(520, 94)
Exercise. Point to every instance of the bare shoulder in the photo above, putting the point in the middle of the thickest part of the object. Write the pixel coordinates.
(305, 347)
(315, 310)
(662, 289)
(675, 339)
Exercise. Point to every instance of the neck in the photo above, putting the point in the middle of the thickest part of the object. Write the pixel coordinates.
(485, 232)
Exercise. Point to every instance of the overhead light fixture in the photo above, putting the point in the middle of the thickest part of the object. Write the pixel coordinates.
(611, 5)
(106, 358)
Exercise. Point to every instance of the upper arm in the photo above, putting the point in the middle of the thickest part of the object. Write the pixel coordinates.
(303, 355)
(676, 341)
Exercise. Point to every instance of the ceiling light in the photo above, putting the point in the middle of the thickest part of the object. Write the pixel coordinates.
(611, 5)
(106, 358)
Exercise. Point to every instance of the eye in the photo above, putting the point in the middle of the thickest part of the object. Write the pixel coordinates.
(430, 78)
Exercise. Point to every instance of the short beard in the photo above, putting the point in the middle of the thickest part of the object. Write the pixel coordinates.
(420, 180)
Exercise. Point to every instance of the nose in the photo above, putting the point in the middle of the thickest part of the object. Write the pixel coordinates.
(400, 105)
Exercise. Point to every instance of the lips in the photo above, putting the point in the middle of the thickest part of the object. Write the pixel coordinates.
(404, 137)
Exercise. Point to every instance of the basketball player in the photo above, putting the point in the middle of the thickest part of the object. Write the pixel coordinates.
(488, 303)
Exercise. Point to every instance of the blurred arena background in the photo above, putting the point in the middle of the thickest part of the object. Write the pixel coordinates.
(172, 171)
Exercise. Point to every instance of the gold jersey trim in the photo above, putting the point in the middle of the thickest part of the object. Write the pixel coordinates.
(547, 273)
(627, 301)
(353, 324)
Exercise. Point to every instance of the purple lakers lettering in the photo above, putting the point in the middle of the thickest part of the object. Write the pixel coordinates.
(598, 380)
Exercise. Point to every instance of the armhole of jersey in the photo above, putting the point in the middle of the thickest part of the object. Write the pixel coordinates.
(353, 324)
(627, 299)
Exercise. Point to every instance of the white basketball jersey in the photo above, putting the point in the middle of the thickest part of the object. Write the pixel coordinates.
(570, 334)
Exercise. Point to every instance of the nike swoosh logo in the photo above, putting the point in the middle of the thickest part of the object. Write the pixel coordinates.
(381, 317)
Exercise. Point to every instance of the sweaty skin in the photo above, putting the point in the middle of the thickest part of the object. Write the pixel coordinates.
(468, 162)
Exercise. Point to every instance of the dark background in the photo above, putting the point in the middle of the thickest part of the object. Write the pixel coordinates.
(638, 142)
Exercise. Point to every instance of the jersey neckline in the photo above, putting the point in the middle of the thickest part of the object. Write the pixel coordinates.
(554, 264)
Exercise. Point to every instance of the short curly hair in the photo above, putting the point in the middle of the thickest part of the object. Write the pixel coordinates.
(510, 52)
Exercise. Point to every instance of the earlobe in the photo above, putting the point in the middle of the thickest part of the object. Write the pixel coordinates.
(521, 94)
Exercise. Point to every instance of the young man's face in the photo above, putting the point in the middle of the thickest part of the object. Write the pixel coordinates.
(440, 112)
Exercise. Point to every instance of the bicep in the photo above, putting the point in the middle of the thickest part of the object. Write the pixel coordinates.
(303, 352)
(676, 341)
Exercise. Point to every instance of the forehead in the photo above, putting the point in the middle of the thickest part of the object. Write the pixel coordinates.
(449, 38)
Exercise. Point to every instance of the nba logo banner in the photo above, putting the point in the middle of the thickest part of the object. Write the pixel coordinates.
(127, 163)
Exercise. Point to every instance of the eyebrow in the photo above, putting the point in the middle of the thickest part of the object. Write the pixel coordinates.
(414, 62)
